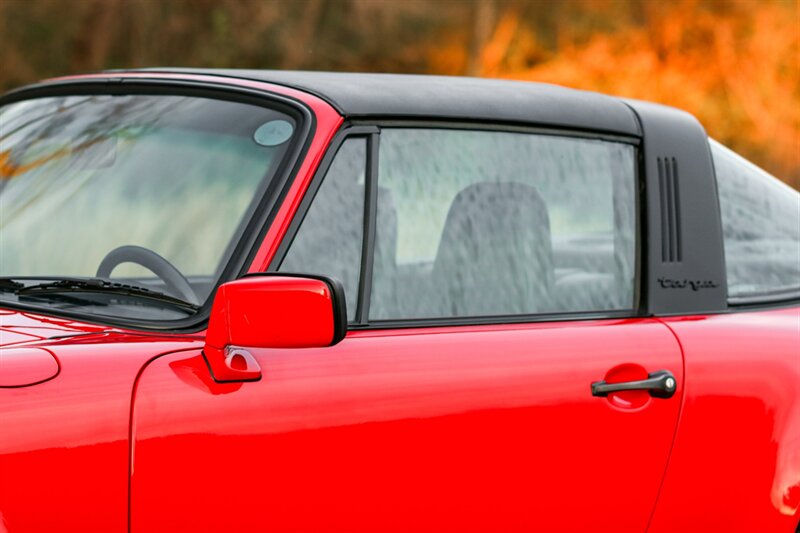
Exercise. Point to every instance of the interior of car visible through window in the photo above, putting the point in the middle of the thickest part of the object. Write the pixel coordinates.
(478, 223)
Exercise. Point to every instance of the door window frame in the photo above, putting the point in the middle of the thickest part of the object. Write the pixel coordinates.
(371, 131)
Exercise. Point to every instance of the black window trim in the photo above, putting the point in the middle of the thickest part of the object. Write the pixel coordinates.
(370, 129)
(256, 220)
(775, 299)
(370, 224)
(345, 133)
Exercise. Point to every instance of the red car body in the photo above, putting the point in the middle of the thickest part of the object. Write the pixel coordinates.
(467, 427)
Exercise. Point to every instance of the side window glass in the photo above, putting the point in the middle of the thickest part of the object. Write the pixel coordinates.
(330, 237)
(479, 223)
(761, 228)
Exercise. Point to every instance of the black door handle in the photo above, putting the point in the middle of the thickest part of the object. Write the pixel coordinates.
(660, 384)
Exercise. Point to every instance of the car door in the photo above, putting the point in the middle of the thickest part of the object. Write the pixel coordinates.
(743, 393)
(492, 289)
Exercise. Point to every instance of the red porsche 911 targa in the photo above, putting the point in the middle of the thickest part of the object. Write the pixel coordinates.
(305, 301)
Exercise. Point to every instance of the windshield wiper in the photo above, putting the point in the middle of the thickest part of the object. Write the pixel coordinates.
(93, 285)
(9, 285)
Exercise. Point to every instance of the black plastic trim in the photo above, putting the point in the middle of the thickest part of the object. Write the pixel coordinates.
(659, 384)
(412, 323)
(684, 261)
(259, 215)
(370, 223)
(641, 262)
(345, 132)
(669, 195)
(787, 297)
(495, 125)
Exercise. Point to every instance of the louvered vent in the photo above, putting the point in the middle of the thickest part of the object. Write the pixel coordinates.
(671, 245)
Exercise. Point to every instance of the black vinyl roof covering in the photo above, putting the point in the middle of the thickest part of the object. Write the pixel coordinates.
(449, 97)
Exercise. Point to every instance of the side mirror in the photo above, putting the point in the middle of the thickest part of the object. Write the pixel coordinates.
(271, 311)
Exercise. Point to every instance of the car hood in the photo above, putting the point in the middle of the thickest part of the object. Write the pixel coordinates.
(23, 328)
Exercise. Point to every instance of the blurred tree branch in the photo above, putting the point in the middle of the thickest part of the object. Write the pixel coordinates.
(92, 43)
(306, 26)
(484, 14)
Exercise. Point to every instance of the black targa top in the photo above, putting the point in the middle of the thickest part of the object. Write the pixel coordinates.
(449, 97)
(670, 134)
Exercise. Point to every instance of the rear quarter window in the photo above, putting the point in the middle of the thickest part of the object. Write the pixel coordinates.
(761, 229)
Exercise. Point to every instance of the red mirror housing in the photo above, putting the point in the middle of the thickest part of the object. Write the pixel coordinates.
(271, 311)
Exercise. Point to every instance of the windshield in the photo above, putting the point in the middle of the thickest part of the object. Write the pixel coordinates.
(148, 190)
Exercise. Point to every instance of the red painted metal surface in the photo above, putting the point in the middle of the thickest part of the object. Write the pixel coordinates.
(265, 311)
(736, 461)
(64, 447)
(463, 428)
(23, 367)
(64, 442)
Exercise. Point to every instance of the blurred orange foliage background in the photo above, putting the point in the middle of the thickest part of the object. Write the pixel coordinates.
(735, 64)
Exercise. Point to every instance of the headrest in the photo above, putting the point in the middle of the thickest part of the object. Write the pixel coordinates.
(495, 255)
